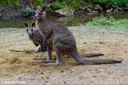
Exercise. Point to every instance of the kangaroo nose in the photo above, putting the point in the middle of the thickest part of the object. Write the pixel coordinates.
(30, 34)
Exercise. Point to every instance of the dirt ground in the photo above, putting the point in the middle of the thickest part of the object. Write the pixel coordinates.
(18, 68)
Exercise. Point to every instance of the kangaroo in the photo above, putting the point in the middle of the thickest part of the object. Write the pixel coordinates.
(62, 41)
(35, 37)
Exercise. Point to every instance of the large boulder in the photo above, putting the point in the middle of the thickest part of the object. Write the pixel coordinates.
(66, 12)
(8, 13)
(97, 7)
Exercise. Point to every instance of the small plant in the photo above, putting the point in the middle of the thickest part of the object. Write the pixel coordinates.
(112, 3)
(27, 11)
(104, 21)
(66, 3)
(37, 2)
(11, 3)
(100, 21)
(60, 4)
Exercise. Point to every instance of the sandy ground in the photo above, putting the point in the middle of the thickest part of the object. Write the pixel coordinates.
(112, 42)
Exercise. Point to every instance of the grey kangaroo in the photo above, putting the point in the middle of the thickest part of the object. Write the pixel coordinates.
(61, 40)
(35, 37)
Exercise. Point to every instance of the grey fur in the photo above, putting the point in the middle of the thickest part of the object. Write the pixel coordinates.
(62, 41)
(35, 37)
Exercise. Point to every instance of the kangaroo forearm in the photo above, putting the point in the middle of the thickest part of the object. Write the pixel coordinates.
(38, 49)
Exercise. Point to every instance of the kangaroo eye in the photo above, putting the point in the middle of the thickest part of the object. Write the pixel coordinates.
(32, 30)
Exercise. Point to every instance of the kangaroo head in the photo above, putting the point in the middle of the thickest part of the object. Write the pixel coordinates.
(40, 13)
(30, 29)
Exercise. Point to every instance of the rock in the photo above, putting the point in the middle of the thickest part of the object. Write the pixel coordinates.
(89, 6)
(126, 9)
(80, 11)
(62, 71)
(97, 7)
(84, 42)
(89, 10)
(41, 73)
(55, 14)
(67, 12)
(46, 81)
(95, 12)
(115, 10)
(120, 9)
(110, 10)
(94, 76)
(8, 13)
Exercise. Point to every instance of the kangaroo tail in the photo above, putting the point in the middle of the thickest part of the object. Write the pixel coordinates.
(82, 60)
(89, 55)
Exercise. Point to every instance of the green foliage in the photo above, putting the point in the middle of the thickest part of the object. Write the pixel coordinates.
(27, 11)
(74, 3)
(104, 21)
(36, 2)
(112, 3)
(12, 3)
(15, 3)
(66, 3)
(60, 4)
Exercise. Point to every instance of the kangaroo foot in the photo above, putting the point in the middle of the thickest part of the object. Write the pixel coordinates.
(39, 58)
(47, 61)
(44, 60)
(51, 64)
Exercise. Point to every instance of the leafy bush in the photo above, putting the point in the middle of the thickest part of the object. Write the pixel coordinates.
(16, 3)
(66, 3)
(27, 11)
(12, 3)
(104, 21)
(112, 3)
(36, 2)
(60, 4)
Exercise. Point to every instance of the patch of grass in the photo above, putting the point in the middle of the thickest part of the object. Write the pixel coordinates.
(17, 63)
(109, 22)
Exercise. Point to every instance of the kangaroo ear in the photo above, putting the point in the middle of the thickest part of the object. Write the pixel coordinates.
(26, 24)
(43, 9)
(33, 24)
